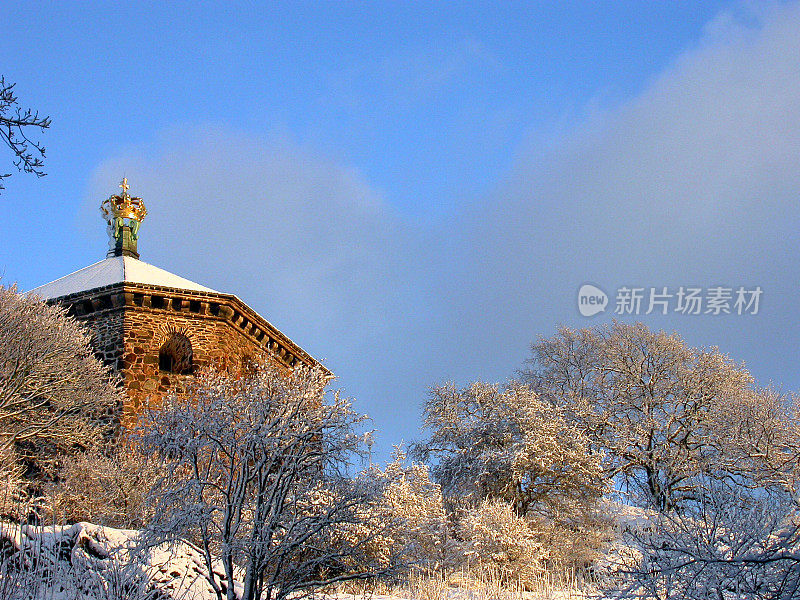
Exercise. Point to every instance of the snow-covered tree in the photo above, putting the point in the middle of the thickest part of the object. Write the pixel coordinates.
(499, 451)
(732, 542)
(756, 436)
(660, 411)
(13, 501)
(255, 473)
(505, 443)
(56, 397)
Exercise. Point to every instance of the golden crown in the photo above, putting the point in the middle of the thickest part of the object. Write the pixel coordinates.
(123, 205)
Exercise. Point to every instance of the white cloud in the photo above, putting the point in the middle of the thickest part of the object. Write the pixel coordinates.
(266, 219)
(695, 181)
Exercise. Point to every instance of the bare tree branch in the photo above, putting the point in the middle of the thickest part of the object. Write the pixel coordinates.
(15, 122)
(254, 474)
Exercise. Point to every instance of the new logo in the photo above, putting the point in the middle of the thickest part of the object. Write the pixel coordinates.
(591, 300)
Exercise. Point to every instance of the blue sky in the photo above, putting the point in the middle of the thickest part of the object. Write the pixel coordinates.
(414, 192)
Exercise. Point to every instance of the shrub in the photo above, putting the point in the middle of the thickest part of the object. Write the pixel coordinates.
(411, 504)
(105, 488)
(500, 544)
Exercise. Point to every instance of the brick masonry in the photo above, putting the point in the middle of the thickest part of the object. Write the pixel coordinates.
(130, 323)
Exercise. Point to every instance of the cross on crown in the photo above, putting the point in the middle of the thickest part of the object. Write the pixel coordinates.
(123, 206)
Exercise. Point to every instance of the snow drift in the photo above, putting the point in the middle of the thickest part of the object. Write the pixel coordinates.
(90, 562)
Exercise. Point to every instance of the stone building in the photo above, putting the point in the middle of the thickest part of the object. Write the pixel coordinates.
(156, 328)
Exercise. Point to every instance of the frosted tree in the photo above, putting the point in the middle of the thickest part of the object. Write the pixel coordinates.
(256, 474)
(739, 536)
(56, 397)
(732, 542)
(694, 438)
(651, 404)
(756, 436)
(105, 485)
(413, 503)
(520, 480)
(505, 443)
(500, 545)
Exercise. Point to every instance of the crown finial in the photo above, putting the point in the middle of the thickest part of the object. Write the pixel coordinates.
(124, 214)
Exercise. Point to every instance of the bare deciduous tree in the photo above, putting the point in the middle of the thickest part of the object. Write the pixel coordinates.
(15, 122)
(255, 475)
(733, 542)
(651, 403)
(56, 397)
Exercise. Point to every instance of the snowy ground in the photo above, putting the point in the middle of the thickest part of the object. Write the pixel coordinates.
(93, 562)
(90, 562)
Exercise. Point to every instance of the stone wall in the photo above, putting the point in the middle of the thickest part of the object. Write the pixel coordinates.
(107, 329)
(131, 323)
(214, 342)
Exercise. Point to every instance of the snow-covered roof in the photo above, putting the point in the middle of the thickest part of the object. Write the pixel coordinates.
(116, 269)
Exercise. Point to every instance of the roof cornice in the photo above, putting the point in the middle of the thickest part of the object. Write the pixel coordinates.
(201, 304)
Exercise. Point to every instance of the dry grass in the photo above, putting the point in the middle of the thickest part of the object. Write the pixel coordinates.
(463, 584)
